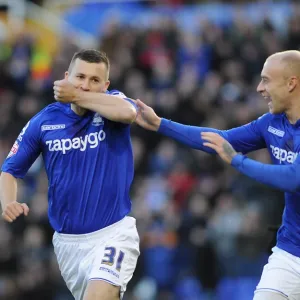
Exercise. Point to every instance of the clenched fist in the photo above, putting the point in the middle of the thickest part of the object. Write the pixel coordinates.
(64, 91)
(13, 210)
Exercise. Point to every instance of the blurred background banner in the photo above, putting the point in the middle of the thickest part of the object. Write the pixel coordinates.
(203, 227)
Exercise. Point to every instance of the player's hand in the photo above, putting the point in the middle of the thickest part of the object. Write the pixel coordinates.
(220, 145)
(65, 91)
(13, 210)
(146, 117)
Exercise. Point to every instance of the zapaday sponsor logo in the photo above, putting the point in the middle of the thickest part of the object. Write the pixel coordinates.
(276, 131)
(91, 140)
(282, 155)
(53, 127)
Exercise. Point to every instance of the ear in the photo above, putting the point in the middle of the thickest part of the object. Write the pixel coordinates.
(107, 83)
(66, 75)
(292, 83)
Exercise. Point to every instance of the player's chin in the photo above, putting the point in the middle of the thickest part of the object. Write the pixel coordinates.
(271, 108)
(275, 111)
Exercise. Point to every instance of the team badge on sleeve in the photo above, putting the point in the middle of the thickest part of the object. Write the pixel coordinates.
(117, 93)
(13, 151)
(20, 137)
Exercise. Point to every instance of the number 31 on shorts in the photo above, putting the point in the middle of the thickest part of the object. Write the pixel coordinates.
(110, 255)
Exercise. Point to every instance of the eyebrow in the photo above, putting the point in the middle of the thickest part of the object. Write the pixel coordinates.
(264, 77)
(93, 77)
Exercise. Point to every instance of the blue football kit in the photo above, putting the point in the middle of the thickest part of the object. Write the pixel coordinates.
(89, 165)
(282, 139)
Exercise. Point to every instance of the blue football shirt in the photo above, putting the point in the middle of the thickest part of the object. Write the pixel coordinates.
(282, 139)
(88, 161)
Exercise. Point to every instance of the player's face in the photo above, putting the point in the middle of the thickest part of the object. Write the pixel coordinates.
(91, 77)
(273, 86)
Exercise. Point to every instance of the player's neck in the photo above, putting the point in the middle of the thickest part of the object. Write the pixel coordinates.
(78, 110)
(293, 114)
(293, 117)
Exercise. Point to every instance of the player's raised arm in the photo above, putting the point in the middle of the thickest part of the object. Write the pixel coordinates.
(244, 139)
(111, 107)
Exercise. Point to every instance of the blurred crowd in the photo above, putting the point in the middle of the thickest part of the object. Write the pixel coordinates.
(201, 223)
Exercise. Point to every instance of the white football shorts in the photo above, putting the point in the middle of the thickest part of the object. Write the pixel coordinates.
(109, 254)
(281, 275)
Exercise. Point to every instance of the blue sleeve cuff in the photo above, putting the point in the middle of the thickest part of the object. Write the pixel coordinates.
(163, 125)
(12, 172)
(237, 160)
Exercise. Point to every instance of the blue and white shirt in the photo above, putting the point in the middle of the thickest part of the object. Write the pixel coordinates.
(282, 139)
(88, 161)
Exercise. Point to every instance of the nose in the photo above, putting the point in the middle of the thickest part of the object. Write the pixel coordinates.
(260, 88)
(85, 85)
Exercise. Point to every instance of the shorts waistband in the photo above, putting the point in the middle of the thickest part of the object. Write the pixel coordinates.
(71, 238)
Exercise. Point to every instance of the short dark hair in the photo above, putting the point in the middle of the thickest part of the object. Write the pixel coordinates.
(91, 56)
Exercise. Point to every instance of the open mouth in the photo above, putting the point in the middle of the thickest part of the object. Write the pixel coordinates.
(268, 98)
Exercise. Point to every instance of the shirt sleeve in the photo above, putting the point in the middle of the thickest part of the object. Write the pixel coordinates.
(283, 177)
(248, 137)
(187, 135)
(24, 151)
(243, 139)
(123, 96)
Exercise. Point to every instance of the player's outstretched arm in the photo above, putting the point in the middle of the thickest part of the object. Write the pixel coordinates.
(244, 138)
(11, 209)
(283, 177)
(185, 134)
(111, 107)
